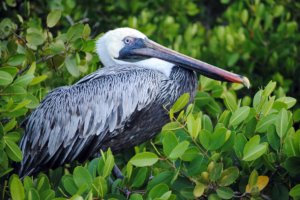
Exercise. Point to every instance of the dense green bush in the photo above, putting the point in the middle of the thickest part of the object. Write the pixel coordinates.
(222, 146)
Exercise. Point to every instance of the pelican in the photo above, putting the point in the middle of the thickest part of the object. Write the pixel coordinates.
(118, 106)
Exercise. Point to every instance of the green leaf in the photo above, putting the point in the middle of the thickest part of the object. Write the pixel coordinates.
(75, 32)
(13, 151)
(230, 101)
(239, 115)
(158, 191)
(20, 105)
(10, 125)
(257, 100)
(109, 164)
(33, 194)
(279, 192)
(23, 80)
(292, 165)
(140, 177)
(289, 101)
(207, 123)
(53, 17)
(217, 91)
(199, 190)
(253, 149)
(16, 60)
(71, 66)
(181, 102)
(82, 176)
(86, 31)
(136, 196)
(202, 99)
(204, 138)
(169, 142)
(13, 136)
(225, 118)
(99, 186)
(163, 177)
(16, 188)
(144, 159)
(171, 126)
(38, 79)
(190, 154)
(194, 125)
(265, 122)
(213, 141)
(253, 178)
(11, 70)
(291, 144)
(216, 171)
(225, 192)
(47, 194)
(296, 115)
(295, 192)
(213, 108)
(35, 38)
(268, 106)
(228, 176)
(179, 150)
(218, 138)
(197, 165)
(273, 139)
(233, 58)
(269, 89)
(69, 184)
(5, 78)
(129, 169)
(282, 123)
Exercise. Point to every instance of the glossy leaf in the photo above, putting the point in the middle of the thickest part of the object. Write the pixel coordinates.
(5, 78)
(295, 191)
(158, 191)
(179, 150)
(239, 115)
(181, 102)
(282, 123)
(99, 186)
(265, 122)
(169, 142)
(16, 188)
(229, 176)
(53, 17)
(144, 159)
(13, 150)
(199, 190)
(82, 176)
(253, 149)
(225, 192)
(72, 67)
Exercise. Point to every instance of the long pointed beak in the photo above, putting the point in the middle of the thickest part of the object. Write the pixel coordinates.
(152, 49)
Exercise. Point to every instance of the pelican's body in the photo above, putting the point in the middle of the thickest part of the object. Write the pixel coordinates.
(119, 106)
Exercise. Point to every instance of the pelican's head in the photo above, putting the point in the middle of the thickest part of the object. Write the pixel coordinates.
(129, 46)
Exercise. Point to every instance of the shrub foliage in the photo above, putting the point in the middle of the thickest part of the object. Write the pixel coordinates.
(230, 143)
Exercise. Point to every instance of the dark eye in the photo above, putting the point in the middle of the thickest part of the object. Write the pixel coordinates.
(128, 40)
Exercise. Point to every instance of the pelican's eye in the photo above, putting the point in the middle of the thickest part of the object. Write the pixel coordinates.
(128, 40)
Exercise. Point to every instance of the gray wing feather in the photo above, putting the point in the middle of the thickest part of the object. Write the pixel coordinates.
(71, 118)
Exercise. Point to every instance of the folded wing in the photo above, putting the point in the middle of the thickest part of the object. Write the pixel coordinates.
(71, 122)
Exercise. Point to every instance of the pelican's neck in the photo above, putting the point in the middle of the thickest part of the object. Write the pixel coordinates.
(150, 63)
(103, 54)
(157, 64)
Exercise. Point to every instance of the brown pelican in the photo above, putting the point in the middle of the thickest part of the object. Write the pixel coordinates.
(119, 106)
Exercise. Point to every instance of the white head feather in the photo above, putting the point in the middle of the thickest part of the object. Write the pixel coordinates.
(110, 44)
